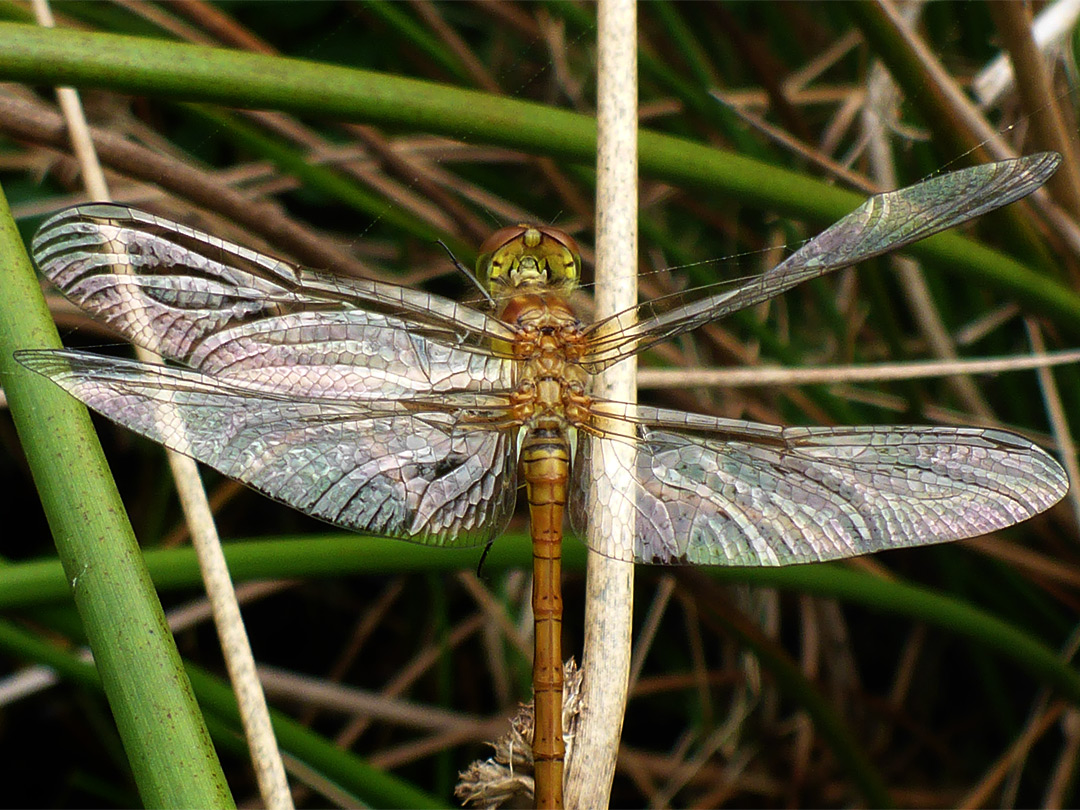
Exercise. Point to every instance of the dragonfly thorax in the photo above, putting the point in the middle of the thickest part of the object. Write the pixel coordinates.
(549, 380)
(550, 403)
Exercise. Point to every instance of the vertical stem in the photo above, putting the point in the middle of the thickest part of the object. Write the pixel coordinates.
(164, 736)
(1035, 87)
(609, 586)
(239, 659)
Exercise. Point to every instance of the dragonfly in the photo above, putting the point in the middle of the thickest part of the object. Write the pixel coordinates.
(396, 412)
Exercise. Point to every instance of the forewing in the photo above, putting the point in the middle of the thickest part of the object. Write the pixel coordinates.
(884, 223)
(343, 355)
(167, 287)
(389, 467)
(724, 492)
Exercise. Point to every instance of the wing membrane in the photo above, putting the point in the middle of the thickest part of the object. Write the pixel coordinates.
(389, 467)
(725, 492)
(167, 287)
(342, 398)
(343, 355)
(884, 223)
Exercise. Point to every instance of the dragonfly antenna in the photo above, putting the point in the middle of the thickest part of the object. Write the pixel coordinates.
(469, 274)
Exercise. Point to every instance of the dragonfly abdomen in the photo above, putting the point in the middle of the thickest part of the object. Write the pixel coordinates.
(549, 400)
(545, 457)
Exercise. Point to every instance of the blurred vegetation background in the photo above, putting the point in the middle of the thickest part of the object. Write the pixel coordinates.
(908, 677)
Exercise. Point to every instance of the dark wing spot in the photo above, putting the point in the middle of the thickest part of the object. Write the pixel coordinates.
(433, 471)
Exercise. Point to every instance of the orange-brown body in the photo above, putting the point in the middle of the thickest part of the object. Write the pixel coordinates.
(549, 401)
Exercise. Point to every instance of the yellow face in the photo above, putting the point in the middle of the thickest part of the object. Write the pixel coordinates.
(527, 258)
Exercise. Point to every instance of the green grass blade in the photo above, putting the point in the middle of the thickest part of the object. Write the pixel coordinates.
(32, 583)
(351, 773)
(165, 739)
(252, 80)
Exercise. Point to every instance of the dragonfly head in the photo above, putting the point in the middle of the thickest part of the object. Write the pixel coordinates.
(525, 256)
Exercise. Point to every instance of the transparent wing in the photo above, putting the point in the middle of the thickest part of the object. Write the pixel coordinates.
(167, 287)
(394, 467)
(885, 222)
(724, 492)
(246, 318)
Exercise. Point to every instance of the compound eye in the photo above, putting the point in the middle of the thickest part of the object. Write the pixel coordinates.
(563, 238)
(500, 253)
(502, 237)
(565, 262)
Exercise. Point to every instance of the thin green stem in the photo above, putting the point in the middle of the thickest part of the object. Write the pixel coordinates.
(42, 582)
(252, 80)
(166, 741)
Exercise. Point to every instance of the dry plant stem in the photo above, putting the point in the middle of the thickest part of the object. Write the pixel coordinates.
(38, 124)
(220, 25)
(1038, 709)
(222, 495)
(512, 15)
(810, 153)
(799, 81)
(1024, 559)
(366, 173)
(953, 112)
(228, 31)
(312, 779)
(762, 65)
(239, 660)
(609, 583)
(1035, 88)
(199, 610)
(1051, 30)
(333, 697)
(651, 626)
(703, 753)
(982, 793)
(418, 195)
(1059, 423)
(962, 117)
(34, 679)
(361, 634)
(881, 102)
(269, 770)
(1064, 772)
(493, 609)
(871, 372)
(407, 676)
(415, 173)
(483, 78)
(699, 670)
(160, 18)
